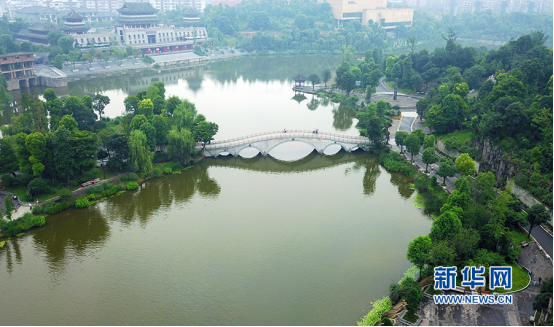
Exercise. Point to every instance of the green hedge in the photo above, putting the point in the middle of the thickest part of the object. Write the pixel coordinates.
(132, 185)
(58, 207)
(82, 203)
(393, 161)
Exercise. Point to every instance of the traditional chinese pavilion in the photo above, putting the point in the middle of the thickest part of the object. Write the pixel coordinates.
(74, 24)
(299, 80)
(138, 15)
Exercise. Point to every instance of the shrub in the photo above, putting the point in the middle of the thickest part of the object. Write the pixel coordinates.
(38, 221)
(58, 207)
(81, 203)
(9, 181)
(157, 172)
(38, 186)
(129, 177)
(132, 185)
(37, 209)
(47, 206)
(176, 167)
(111, 191)
(91, 197)
(168, 170)
(386, 322)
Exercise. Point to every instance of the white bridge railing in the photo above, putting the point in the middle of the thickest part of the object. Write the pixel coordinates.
(273, 135)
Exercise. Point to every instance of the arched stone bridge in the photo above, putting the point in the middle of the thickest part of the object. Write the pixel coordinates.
(265, 142)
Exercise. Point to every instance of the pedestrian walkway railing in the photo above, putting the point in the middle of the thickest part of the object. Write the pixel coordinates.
(281, 134)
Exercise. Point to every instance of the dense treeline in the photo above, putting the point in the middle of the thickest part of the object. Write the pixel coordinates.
(59, 140)
(513, 108)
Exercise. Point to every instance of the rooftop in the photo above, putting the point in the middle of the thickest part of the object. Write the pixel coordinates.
(72, 15)
(16, 54)
(138, 8)
(36, 10)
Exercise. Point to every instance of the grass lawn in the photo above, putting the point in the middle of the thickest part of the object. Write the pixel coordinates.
(22, 191)
(400, 89)
(411, 318)
(519, 237)
(519, 279)
(460, 136)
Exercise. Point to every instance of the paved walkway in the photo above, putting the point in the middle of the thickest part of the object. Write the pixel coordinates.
(406, 125)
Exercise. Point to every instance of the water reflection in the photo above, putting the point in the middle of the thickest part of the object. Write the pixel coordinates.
(299, 97)
(313, 104)
(343, 117)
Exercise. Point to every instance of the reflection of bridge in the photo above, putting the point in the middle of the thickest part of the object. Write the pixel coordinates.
(265, 142)
(269, 164)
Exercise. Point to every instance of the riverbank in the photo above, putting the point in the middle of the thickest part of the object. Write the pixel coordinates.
(24, 218)
(161, 61)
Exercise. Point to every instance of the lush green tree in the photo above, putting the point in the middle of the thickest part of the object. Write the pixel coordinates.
(536, 215)
(83, 114)
(205, 132)
(446, 169)
(181, 145)
(465, 165)
(8, 159)
(418, 251)
(171, 103)
(465, 244)
(399, 138)
(9, 207)
(85, 146)
(36, 145)
(54, 36)
(99, 103)
(441, 254)
(445, 226)
(314, 79)
(58, 61)
(152, 92)
(63, 152)
(137, 122)
(429, 142)
(413, 297)
(421, 107)
(420, 134)
(412, 144)
(429, 157)
(69, 123)
(66, 43)
(131, 104)
(161, 126)
(150, 133)
(141, 156)
(146, 108)
(326, 76)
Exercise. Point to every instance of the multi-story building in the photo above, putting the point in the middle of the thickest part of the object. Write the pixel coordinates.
(230, 3)
(168, 5)
(138, 27)
(36, 33)
(37, 14)
(366, 10)
(18, 69)
(495, 6)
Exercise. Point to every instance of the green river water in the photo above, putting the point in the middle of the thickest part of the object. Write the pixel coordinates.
(295, 238)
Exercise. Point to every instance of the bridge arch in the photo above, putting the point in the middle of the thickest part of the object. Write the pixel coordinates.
(246, 147)
(296, 140)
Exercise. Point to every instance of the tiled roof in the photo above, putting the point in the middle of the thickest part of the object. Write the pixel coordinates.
(137, 8)
(36, 10)
(73, 15)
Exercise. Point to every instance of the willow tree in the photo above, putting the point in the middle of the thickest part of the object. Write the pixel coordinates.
(141, 157)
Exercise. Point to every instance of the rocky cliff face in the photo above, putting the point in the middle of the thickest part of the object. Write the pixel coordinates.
(492, 157)
(546, 316)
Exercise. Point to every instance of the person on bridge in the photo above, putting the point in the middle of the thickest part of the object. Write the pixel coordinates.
(317, 130)
(284, 130)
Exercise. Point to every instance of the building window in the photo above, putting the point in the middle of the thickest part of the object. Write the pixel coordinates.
(129, 37)
(134, 37)
(352, 14)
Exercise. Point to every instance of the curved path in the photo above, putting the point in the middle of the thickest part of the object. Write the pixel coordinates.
(265, 142)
